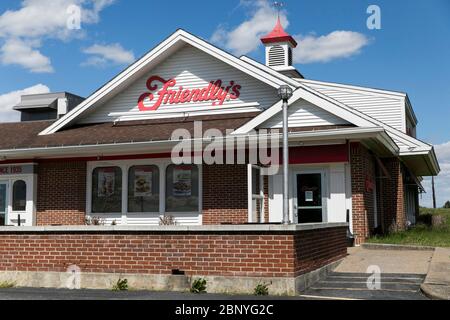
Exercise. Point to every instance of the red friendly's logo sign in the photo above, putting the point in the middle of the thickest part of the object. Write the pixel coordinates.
(215, 92)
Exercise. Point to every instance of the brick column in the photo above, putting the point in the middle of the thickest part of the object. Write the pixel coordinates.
(394, 197)
(363, 205)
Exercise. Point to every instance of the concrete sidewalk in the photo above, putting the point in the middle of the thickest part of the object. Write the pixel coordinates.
(437, 282)
(389, 261)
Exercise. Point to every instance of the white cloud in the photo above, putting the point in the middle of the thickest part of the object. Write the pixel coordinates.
(337, 44)
(442, 182)
(102, 55)
(16, 51)
(245, 38)
(37, 20)
(11, 99)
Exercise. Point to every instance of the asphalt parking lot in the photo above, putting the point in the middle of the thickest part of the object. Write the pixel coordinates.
(62, 294)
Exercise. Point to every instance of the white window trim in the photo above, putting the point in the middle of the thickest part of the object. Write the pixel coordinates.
(29, 214)
(125, 166)
(251, 196)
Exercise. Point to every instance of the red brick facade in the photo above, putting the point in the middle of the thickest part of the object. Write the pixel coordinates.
(363, 204)
(263, 254)
(61, 193)
(367, 179)
(394, 213)
(225, 194)
(313, 248)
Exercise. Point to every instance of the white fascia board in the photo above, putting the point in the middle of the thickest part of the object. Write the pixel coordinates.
(178, 36)
(377, 133)
(232, 60)
(429, 155)
(316, 99)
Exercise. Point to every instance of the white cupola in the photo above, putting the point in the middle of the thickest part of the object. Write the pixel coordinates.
(279, 46)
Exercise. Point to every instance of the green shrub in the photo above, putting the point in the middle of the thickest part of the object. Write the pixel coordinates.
(7, 285)
(199, 286)
(120, 285)
(262, 289)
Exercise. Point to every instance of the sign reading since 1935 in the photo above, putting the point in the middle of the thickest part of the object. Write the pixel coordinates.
(16, 169)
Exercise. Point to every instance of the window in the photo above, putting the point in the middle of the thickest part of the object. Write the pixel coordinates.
(256, 179)
(257, 197)
(143, 189)
(182, 188)
(107, 190)
(19, 201)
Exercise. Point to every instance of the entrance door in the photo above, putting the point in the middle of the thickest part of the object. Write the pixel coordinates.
(310, 204)
(3, 202)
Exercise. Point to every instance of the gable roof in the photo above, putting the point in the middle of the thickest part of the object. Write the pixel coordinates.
(152, 58)
(315, 98)
(400, 137)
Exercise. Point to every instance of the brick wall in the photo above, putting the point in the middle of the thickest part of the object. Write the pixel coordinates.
(61, 193)
(363, 200)
(263, 254)
(225, 194)
(394, 214)
(317, 248)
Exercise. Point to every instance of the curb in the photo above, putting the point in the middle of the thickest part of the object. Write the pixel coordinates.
(429, 290)
(378, 246)
(437, 282)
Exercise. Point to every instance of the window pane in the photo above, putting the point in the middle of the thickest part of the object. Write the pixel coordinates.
(182, 189)
(143, 189)
(107, 190)
(19, 196)
(256, 176)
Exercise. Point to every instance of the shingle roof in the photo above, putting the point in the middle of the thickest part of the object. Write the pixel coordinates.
(25, 135)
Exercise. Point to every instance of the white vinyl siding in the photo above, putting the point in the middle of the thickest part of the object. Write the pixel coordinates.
(192, 69)
(389, 109)
(304, 114)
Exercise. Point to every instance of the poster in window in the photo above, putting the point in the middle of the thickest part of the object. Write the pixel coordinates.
(106, 183)
(309, 196)
(182, 186)
(143, 178)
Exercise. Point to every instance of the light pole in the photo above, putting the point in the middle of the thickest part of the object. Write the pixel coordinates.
(285, 93)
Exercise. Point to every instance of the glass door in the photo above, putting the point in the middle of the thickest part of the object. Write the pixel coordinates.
(3, 203)
(309, 197)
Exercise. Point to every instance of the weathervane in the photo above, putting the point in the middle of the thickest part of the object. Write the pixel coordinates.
(278, 5)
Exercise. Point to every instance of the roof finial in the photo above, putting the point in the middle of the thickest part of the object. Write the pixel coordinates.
(278, 34)
(278, 5)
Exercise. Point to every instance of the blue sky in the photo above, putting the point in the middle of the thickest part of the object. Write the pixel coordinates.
(410, 53)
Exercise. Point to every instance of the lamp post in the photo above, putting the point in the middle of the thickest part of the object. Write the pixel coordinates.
(285, 93)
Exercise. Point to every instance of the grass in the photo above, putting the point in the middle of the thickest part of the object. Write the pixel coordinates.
(423, 234)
